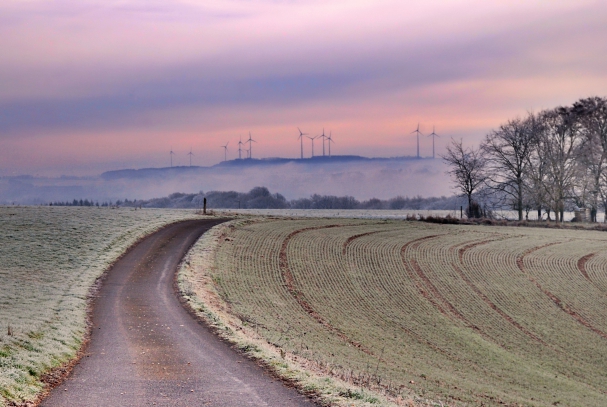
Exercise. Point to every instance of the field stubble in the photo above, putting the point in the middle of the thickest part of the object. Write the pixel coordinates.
(412, 311)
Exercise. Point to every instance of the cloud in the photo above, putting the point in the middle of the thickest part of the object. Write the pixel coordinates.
(84, 70)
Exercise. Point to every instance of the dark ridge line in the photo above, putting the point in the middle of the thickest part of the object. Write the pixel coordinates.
(453, 311)
(299, 296)
(412, 333)
(556, 300)
(419, 287)
(430, 286)
(486, 299)
(581, 265)
(352, 238)
(426, 280)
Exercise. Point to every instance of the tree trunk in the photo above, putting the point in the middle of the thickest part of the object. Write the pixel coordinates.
(593, 213)
(520, 200)
(469, 202)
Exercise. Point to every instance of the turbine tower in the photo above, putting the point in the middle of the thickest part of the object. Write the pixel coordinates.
(250, 145)
(171, 154)
(225, 151)
(418, 133)
(301, 138)
(433, 135)
(323, 141)
(312, 140)
(330, 140)
(190, 154)
(240, 144)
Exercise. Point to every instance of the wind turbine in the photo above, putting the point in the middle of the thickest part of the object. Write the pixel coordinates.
(301, 138)
(250, 145)
(433, 135)
(312, 140)
(240, 143)
(225, 151)
(190, 154)
(171, 154)
(418, 133)
(330, 140)
(323, 141)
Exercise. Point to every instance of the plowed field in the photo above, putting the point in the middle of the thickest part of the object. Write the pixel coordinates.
(464, 315)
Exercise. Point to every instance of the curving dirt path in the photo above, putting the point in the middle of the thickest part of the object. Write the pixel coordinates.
(146, 350)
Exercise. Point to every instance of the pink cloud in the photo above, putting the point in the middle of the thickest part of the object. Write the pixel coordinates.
(92, 85)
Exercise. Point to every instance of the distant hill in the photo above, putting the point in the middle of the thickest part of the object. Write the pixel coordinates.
(360, 177)
(246, 163)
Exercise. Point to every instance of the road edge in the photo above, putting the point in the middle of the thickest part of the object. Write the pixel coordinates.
(214, 312)
(55, 376)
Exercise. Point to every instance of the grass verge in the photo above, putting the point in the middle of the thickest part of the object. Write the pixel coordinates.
(197, 282)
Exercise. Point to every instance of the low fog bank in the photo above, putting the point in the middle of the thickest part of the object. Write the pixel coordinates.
(360, 178)
(262, 198)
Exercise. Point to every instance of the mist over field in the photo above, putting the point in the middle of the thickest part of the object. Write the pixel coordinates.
(360, 178)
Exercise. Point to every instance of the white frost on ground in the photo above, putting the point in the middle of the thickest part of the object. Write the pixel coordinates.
(376, 213)
(50, 258)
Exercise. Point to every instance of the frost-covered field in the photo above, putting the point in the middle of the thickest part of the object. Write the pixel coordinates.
(376, 213)
(49, 259)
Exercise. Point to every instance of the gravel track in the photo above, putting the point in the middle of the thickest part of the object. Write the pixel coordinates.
(146, 349)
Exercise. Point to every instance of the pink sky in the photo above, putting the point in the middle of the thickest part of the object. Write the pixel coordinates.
(88, 86)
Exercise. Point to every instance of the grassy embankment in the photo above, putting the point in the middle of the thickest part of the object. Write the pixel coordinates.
(393, 312)
(51, 257)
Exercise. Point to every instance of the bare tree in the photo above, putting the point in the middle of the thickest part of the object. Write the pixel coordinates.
(508, 150)
(467, 168)
(592, 116)
(537, 170)
(559, 148)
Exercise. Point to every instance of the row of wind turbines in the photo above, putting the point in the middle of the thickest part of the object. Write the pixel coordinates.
(433, 135)
(326, 140)
(249, 151)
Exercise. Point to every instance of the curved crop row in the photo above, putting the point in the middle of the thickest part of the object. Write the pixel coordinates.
(477, 315)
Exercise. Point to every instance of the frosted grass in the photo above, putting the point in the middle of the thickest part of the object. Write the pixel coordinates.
(49, 259)
(378, 213)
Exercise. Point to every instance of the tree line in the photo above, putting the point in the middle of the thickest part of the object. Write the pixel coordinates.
(262, 198)
(549, 162)
(80, 202)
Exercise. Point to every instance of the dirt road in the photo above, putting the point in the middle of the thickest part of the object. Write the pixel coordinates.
(146, 350)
